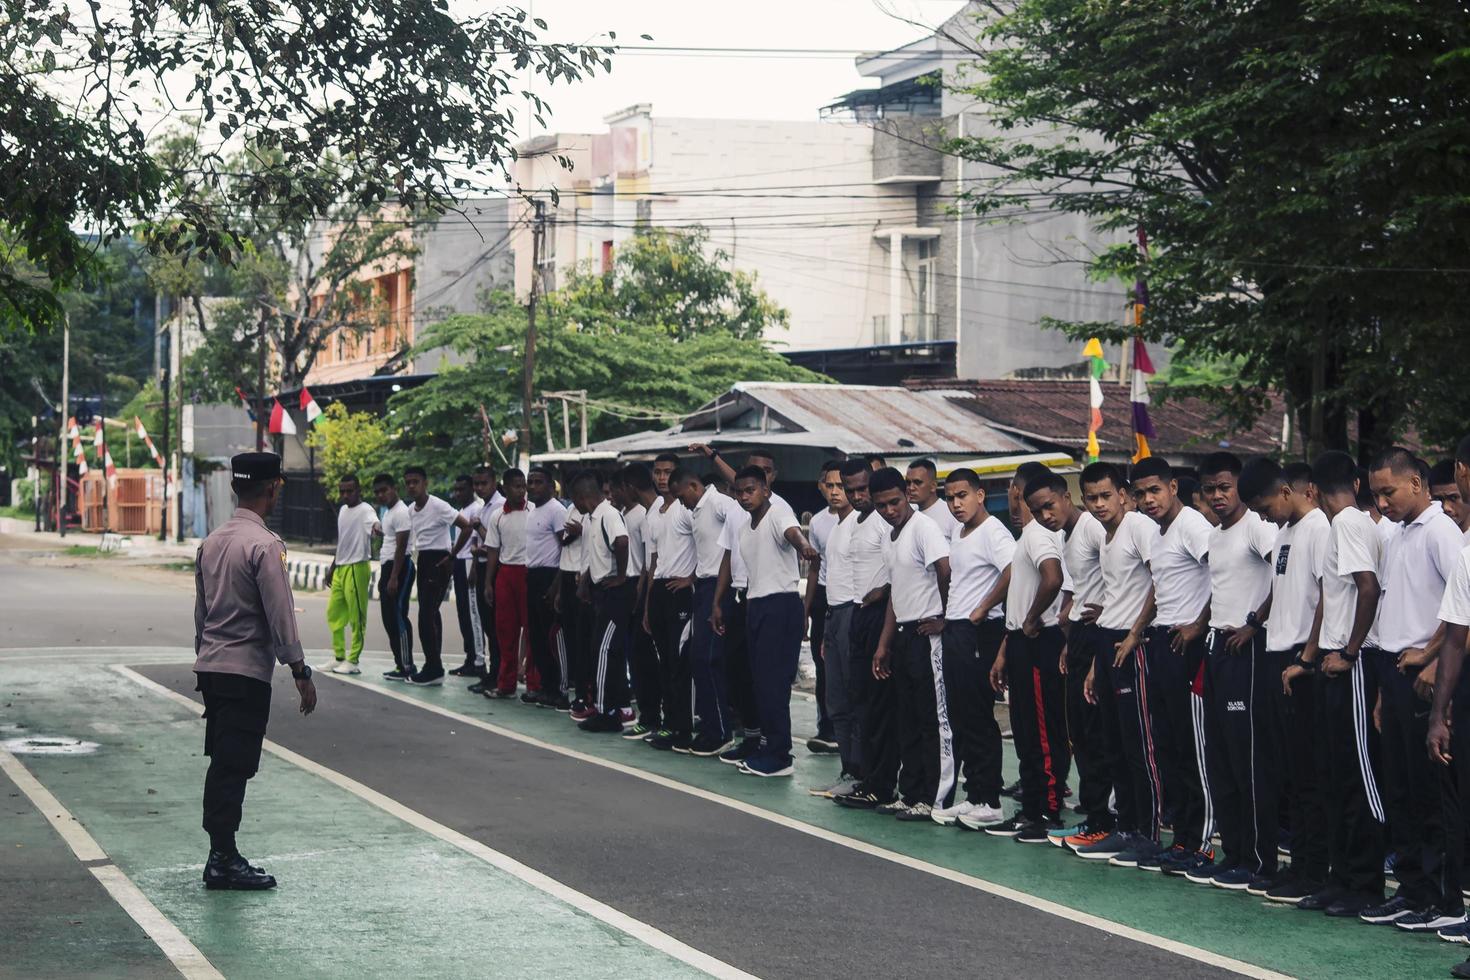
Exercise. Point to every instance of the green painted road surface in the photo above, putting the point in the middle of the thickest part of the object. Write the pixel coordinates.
(364, 894)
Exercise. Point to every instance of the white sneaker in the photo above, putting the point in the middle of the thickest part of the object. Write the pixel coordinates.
(982, 816)
(946, 816)
(343, 667)
(845, 784)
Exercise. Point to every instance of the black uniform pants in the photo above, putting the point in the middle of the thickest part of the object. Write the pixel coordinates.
(466, 609)
(489, 660)
(1238, 699)
(1355, 813)
(1118, 747)
(1175, 685)
(879, 729)
(541, 630)
(1301, 720)
(236, 710)
(926, 740)
(739, 670)
(669, 614)
(433, 587)
(1454, 794)
(1136, 719)
(643, 666)
(1039, 719)
(572, 628)
(818, 625)
(394, 609)
(1090, 746)
(774, 623)
(969, 653)
(612, 607)
(1411, 789)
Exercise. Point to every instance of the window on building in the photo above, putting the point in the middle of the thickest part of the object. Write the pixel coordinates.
(607, 257)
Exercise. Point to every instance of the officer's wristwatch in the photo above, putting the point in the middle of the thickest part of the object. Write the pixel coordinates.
(305, 674)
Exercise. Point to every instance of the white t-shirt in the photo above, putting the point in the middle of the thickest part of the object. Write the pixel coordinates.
(1353, 545)
(1037, 545)
(396, 519)
(938, 512)
(976, 560)
(1082, 554)
(1386, 528)
(574, 554)
(602, 530)
(506, 530)
(865, 554)
(1417, 564)
(730, 542)
(709, 515)
(355, 533)
(1240, 569)
(1455, 606)
(911, 559)
(836, 562)
(1125, 571)
(634, 518)
(1181, 570)
(1300, 556)
(772, 565)
(488, 509)
(675, 543)
(470, 512)
(822, 526)
(433, 524)
(543, 550)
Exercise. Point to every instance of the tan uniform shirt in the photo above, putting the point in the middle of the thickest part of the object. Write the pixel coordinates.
(244, 616)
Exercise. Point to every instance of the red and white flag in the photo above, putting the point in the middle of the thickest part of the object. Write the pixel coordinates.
(281, 423)
(310, 407)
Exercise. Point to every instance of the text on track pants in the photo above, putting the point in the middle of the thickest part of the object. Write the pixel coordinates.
(348, 606)
(1241, 785)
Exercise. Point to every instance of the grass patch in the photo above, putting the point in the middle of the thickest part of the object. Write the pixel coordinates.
(83, 551)
(19, 513)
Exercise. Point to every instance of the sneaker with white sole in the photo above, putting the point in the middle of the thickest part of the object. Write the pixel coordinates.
(1429, 920)
(917, 812)
(764, 765)
(947, 816)
(845, 784)
(892, 807)
(1008, 828)
(984, 815)
(346, 667)
(1456, 934)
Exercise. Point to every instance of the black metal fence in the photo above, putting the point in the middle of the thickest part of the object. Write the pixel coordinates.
(304, 512)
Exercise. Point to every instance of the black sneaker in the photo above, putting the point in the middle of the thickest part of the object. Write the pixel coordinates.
(1013, 790)
(1289, 891)
(560, 704)
(234, 873)
(1390, 911)
(1235, 879)
(1155, 862)
(477, 688)
(1261, 884)
(821, 745)
(741, 752)
(1461, 970)
(706, 746)
(428, 678)
(637, 732)
(533, 698)
(1010, 827)
(396, 674)
(1033, 833)
(466, 669)
(683, 743)
(1204, 873)
(1346, 907)
(1430, 920)
(861, 799)
(1324, 898)
(601, 723)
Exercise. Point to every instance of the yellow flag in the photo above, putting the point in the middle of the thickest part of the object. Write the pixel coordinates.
(1093, 348)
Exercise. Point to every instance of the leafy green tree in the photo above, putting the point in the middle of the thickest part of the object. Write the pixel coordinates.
(418, 96)
(1298, 167)
(348, 444)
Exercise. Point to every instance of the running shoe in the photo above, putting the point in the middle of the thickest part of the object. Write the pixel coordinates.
(581, 710)
(1033, 833)
(344, 667)
(603, 724)
(982, 817)
(708, 746)
(1232, 879)
(1181, 866)
(1010, 827)
(1456, 934)
(818, 745)
(1390, 911)
(428, 678)
(1081, 838)
(893, 807)
(948, 816)
(1060, 834)
(1204, 872)
(845, 784)
(637, 732)
(1289, 891)
(1139, 848)
(748, 747)
(497, 694)
(1327, 898)
(1155, 862)
(466, 669)
(918, 812)
(859, 799)
(764, 765)
(1430, 920)
(395, 675)
(1104, 849)
(627, 716)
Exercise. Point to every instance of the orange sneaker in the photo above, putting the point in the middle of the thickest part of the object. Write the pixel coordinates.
(1084, 838)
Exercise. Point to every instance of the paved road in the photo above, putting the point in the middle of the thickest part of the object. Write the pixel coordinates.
(760, 876)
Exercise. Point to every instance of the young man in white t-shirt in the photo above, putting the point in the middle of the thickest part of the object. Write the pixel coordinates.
(980, 554)
(823, 522)
(486, 666)
(1418, 563)
(573, 612)
(506, 590)
(349, 574)
(613, 593)
(1238, 683)
(839, 598)
(1092, 722)
(1174, 664)
(1283, 497)
(1029, 665)
(395, 575)
(771, 546)
(544, 525)
(668, 618)
(434, 521)
(910, 648)
(921, 484)
(1340, 655)
(633, 488)
(472, 626)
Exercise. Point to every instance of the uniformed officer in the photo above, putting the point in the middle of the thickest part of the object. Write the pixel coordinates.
(244, 622)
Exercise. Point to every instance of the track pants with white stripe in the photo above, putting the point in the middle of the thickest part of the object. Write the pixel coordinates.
(1411, 790)
(1355, 815)
(969, 653)
(1238, 702)
(1039, 719)
(707, 661)
(879, 705)
(926, 741)
(1301, 764)
(612, 606)
(669, 614)
(1176, 683)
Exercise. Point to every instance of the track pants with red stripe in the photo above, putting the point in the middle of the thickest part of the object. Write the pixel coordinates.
(1039, 719)
(1130, 701)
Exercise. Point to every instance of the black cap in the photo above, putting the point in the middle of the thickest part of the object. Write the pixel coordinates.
(255, 466)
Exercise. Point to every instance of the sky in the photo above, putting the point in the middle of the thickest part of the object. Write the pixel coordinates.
(724, 84)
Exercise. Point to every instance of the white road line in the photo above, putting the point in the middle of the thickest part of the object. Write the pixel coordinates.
(184, 955)
(949, 874)
(639, 930)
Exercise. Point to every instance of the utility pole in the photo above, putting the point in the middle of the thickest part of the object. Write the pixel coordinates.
(175, 366)
(528, 369)
(36, 473)
(61, 474)
(260, 413)
(167, 452)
